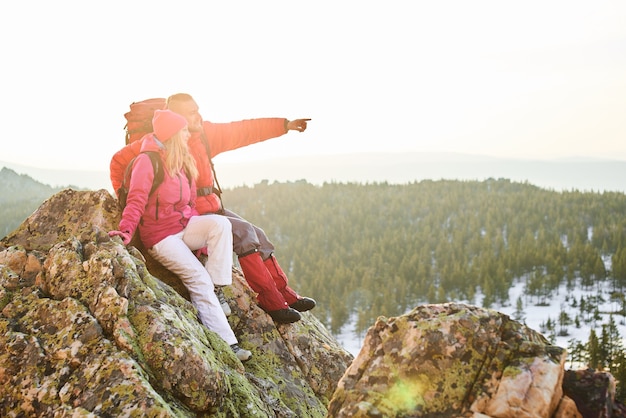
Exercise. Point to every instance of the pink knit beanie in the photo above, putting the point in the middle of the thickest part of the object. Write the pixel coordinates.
(166, 123)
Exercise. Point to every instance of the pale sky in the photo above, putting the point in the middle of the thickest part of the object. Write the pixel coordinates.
(531, 79)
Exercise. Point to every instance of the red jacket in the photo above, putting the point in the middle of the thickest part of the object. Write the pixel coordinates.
(221, 137)
(225, 137)
(166, 211)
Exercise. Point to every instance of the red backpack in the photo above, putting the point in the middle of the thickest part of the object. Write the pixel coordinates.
(138, 124)
(139, 119)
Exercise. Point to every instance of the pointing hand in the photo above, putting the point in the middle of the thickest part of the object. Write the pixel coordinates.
(297, 124)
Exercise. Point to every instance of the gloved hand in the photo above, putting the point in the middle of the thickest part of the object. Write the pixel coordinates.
(126, 237)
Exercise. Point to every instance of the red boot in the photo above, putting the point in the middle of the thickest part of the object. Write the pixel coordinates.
(295, 301)
(268, 296)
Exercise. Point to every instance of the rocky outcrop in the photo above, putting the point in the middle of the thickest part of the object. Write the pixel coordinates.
(455, 360)
(89, 327)
(86, 329)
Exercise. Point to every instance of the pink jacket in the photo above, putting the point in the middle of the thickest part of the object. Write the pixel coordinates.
(221, 137)
(167, 210)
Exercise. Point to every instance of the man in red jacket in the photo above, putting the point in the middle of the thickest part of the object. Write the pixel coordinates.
(250, 243)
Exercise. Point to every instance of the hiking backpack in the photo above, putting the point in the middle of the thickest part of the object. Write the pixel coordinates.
(157, 167)
(139, 118)
(138, 124)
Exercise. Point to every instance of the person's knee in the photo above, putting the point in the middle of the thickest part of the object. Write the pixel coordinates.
(245, 238)
(223, 223)
(217, 223)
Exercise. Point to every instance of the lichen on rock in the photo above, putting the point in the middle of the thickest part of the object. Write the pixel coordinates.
(90, 329)
(451, 360)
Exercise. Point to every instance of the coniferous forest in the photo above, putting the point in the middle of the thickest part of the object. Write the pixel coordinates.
(365, 250)
(381, 249)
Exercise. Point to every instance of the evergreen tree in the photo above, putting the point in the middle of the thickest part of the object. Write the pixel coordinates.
(619, 372)
(595, 359)
(519, 314)
(611, 343)
(577, 353)
(618, 267)
(564, 322)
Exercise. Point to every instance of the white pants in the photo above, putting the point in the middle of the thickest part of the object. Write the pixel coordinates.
(175, 252)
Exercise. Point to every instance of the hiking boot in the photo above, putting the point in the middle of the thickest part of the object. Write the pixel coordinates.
(303, 304)
(241, 354)
(220, 296)
(285, 316)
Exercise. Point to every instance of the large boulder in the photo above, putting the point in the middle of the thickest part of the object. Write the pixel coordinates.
(87, 328)
(454, 360)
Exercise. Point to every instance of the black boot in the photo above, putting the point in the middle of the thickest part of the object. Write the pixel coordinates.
(285, 316)
(303, 304)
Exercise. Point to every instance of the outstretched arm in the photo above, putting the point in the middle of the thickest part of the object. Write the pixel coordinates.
(229, 136)
(297, 125)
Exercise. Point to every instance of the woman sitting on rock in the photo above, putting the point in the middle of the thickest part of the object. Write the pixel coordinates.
(170, 227)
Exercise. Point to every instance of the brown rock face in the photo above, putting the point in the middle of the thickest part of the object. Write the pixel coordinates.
(86, 327)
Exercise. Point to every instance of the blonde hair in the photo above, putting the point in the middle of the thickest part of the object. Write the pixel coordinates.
(178, 156)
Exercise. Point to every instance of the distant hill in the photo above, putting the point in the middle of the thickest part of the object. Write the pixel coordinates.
(83, 179)
(20, 195)
(583, 174)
